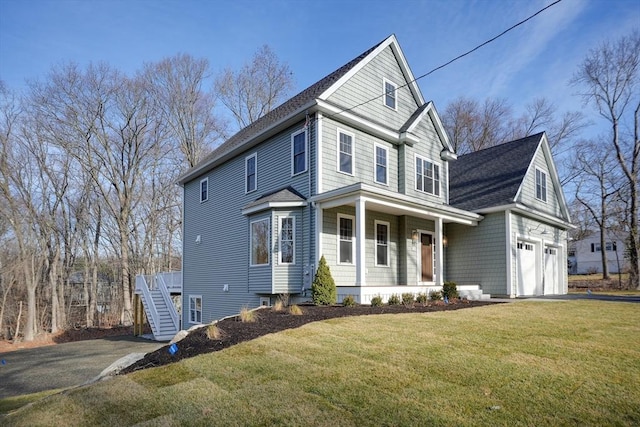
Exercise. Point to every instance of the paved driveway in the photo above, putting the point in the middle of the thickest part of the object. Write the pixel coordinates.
(594, 296)
(64, 365)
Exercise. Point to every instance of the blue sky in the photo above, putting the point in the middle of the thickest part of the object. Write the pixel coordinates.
(316, 37)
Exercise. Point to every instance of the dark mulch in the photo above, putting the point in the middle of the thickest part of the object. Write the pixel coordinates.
(233, 331)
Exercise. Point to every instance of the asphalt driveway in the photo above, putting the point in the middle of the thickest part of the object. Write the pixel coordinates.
(64, 365)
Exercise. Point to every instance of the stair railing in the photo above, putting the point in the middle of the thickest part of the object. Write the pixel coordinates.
(150, 308)
(166, 296)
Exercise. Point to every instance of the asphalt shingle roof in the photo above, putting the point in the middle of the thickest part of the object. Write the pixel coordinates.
(491, 177)
(282, 195)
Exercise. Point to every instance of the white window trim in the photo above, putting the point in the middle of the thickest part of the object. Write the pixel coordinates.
(306, 152)
(384, 93)
(353, 149)
(375, 164)
(375, 238)
(415, 173)
(293, 241)
(246, 162)
(251, 264)
(546, 192)
(193, 322)
(353, 238)
(201, 182)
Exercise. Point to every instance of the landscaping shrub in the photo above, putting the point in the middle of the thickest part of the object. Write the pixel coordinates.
(295, 310)
(323, 289)
(278, 306)
(376, 301)
(213, 333)
(246, 315)
(435, 296)
(284, 299)
(449, 290)
(349, 301)
(394, 299)
(421, 298)
(408, 298)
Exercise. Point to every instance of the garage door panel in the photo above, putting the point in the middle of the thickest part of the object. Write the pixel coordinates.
(526, 268)
(550, 270)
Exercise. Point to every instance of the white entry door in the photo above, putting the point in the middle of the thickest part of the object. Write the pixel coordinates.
(526, 268)
(550, 270)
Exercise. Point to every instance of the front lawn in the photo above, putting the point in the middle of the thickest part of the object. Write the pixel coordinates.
(526, 363)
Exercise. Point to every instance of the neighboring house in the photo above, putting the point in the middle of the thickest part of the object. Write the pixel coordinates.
(358, 168)
(585, 255)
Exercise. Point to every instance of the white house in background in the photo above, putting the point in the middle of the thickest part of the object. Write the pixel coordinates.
(584, 255)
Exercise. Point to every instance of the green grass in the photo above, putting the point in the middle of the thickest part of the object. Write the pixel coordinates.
(596, 277)
(12, 403)
(534, 363)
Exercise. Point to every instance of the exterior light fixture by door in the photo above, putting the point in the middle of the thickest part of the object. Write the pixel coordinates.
(445, 241)
(414, 236)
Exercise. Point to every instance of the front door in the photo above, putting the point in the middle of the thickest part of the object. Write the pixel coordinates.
(426, 254)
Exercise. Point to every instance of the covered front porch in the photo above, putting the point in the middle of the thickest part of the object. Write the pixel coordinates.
(377, 242)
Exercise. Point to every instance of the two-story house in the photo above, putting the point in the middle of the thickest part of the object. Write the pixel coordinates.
(358, 168)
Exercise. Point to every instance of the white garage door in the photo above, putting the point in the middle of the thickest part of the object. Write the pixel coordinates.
(527, 281)
(550, 270)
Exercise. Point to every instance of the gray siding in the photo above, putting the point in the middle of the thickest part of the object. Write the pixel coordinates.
(528, 192)
(367, 84)
(477, 255)
(222, 256)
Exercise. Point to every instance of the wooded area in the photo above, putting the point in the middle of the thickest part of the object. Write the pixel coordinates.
(89, 158)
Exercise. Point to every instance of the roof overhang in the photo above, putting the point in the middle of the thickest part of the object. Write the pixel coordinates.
(393, 203)
(272, 205)
(521, 209)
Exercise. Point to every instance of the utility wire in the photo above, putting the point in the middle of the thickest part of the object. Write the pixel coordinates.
(453, 60)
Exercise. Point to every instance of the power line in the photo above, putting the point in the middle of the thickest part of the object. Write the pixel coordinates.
(452, 60)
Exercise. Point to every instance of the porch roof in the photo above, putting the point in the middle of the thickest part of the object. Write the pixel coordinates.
(394, 203)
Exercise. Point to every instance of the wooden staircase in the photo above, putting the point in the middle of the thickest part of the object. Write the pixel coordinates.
(155, 294)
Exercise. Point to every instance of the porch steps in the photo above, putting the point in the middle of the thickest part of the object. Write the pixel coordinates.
(473, 294)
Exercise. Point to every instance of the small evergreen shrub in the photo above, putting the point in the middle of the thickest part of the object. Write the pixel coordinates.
(421, 298)
(376, 301)
(349, 301)
(435, 296)
(323, 289)
(449, 290)
(408, 298)
(295, 310)
(394, 300)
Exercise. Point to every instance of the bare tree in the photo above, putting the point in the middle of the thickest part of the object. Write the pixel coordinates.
(257, 88)
(177, 85)
(609, 79)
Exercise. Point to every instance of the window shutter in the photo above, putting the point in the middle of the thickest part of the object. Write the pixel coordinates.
(593, 247)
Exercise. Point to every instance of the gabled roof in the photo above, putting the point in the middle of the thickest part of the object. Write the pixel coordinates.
(493, 176)
(280, 198)
(299, 103)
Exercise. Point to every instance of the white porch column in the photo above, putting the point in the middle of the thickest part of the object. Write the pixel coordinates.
(360, 240)
(439, 253)
(318, 232)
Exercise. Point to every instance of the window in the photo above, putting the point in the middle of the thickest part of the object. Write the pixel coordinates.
(250, 171)
(298, 152)
(571, 252)
(541, 185)
(345, 150)
(427, 176)
(195, 309)
(381, 164)
(345, 239)
(611, 247)
(382, 243)
(260, 242)
(287, 232)
(390, 94)
(204, 190)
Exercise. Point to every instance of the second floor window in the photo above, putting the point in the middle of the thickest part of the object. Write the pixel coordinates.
(390, 94)
(250, 169)
(345, 155)
(381, 165)
(204, 190)
(541, 185)
(298, 153)
(427, 176)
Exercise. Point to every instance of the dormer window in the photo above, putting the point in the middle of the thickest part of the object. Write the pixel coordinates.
(541, 185)
(390, 90)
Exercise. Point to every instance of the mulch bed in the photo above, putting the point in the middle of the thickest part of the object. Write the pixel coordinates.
(268, 321)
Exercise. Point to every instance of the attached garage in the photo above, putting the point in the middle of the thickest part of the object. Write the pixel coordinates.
(551, 270)
(526, 269)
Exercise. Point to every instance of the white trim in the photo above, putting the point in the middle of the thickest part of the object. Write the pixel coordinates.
(319, 220)
(246, 184)
(271, 205)
(306, 152)
(509, 255)
(535, 185)
(415, 173)
(353, 149)
(360, 241)
(375, 242)
(194, 322)
(438, 254)
(527, 211)
(319, 121)
(202, 181)
(385, 92)
(353, 239)
(365, 125)
(419, 258)
(268, 220)
(293, 240)
(375, 164)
